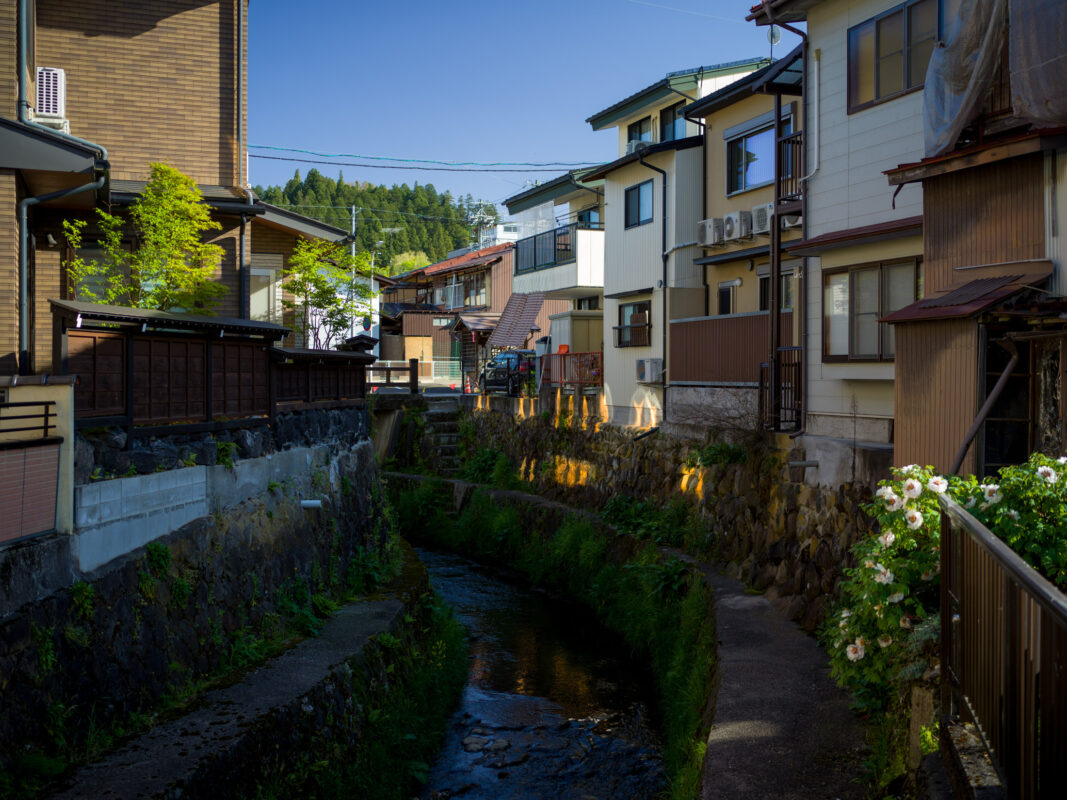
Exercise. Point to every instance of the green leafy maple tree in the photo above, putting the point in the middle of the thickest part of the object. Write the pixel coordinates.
(328, 289)
(156, 257)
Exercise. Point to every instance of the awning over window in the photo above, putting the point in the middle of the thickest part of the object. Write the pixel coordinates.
(966, 299)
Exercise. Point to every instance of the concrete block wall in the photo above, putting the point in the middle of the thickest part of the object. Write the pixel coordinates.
(115, 517)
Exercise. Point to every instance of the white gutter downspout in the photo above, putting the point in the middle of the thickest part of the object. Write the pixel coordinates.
(22, 111)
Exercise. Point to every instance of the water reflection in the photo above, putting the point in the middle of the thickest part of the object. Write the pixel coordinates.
(553, 708)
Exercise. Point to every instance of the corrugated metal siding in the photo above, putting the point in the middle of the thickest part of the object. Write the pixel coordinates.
(936, 391)
(418, 323)
(28, 482)
(500, 281)
(723, 349)
(985, 215)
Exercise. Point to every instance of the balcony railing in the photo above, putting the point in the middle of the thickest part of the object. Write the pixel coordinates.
(577, 370)
(551, 248)
(633, 335)
(726, 349)
(791, 158)
(1003, 657)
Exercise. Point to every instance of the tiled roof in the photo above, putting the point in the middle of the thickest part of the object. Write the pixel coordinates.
(473, 259)
(516, 320)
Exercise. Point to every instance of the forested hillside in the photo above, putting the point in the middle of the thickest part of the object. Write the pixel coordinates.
(409, 221)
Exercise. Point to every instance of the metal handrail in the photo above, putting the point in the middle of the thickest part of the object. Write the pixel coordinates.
(550, 248)
(44, 415)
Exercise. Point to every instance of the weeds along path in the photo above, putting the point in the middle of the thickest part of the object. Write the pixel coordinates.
(779, 727)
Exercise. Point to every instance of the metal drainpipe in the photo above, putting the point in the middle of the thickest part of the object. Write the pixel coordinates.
(24, 246)
(665, 256)
(22, 112)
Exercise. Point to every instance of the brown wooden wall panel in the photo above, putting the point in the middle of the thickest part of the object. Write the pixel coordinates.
(240, 379)
(327, 381)
(986, 215)
(936, 391)
(151, 81)
(9, 259)
(419, 323)
(99, 361)
(28, 481)
(169, 379)
(723, 349)
(500, 275)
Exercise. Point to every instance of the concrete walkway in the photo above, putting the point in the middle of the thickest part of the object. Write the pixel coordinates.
(197, 754)
(782, 728)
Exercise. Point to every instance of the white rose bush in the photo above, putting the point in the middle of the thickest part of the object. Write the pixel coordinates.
(889, 601)
(893, 587)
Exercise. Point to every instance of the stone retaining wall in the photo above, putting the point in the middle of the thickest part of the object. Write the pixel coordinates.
(775, 532)
(155, 621)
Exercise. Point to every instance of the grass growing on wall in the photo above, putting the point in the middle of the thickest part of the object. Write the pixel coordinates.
(662, 611)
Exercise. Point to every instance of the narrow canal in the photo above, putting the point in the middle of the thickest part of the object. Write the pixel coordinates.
(553, 707)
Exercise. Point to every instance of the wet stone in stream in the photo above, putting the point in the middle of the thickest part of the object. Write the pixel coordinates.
(553, 707)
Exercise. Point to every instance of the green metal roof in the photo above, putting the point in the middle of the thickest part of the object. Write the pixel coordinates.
(669, 86)
(552, 190)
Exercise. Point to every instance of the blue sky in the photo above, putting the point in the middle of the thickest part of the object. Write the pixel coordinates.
(468, 81)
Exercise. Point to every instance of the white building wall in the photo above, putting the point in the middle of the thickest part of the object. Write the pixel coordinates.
(850, 190)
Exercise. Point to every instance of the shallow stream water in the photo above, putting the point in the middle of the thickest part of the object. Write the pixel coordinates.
(554, 707)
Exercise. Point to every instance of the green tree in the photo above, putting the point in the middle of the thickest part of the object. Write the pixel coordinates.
(169, 268)
(330, 290)
(410, 259)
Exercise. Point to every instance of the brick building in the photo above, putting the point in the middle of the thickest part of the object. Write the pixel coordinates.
(95, 91)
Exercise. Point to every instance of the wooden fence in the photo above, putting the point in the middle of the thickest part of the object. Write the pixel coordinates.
(201, 383)
(1003, 657)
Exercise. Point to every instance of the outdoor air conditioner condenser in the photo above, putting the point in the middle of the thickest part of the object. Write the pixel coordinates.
(737, 225)
(762, 217)
(709, 231)
(51, 93)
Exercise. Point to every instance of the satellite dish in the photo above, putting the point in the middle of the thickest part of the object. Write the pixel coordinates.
(774, 35)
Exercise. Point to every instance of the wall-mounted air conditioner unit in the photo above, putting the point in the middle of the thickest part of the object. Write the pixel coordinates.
(762, 215)
(650, 370)
(792, 221)
(737, 225)
(634, 145)
(51, 103)
(709, 231)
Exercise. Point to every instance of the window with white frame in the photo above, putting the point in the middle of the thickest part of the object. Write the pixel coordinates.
(853, 301)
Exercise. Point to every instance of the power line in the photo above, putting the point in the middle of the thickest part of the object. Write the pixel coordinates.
(396, 166)
(428, 160)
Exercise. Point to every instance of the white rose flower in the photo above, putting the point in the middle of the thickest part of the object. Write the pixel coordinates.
(887, 538)
(1048, 473)
(893, 503)
(1011, 512)
(909, 469)
(885, 641)
(905, 623)
(991, 492)
(882, 575)
(971, 502)
(928, 575)
(845, 613)
(854, 652)
(912, 488)
(914, 519)
(937, 484)
(883, 491)
(1061, 460)
(896, 597)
